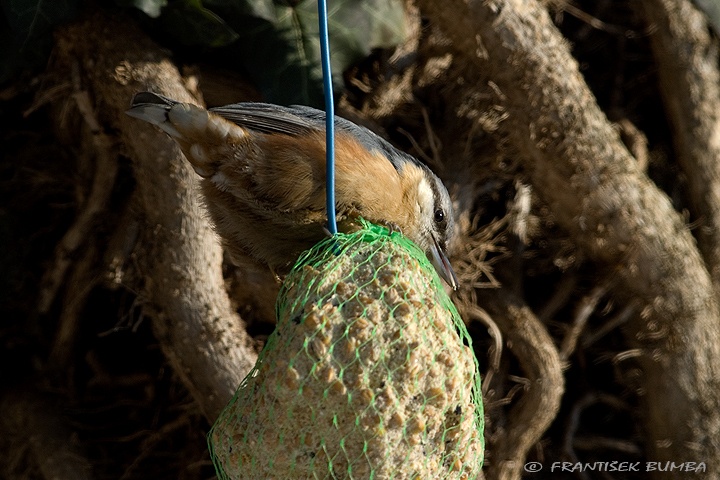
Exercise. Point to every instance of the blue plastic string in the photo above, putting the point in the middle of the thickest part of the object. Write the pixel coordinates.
(329, 117)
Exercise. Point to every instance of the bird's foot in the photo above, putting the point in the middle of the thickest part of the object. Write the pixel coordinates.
(392, 227)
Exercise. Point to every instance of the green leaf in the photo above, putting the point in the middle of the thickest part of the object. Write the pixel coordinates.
(27, 40)
(282, 51)
(152, 8)
(712, 10)
(358, 27)
(276, 61)
(192, 24)
(29, 19)
(263, 9)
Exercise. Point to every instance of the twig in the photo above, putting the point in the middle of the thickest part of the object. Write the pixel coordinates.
(563, 290)
(597, 23)
(34, 423)
(599, 8)
(495, 353)
(518, 219)
(542, 384)
(571, 441)
(435, 161)
(432, 139)
(472, 264)
(615, 214)
(636, 142)
(82, 279)
(178, 255)
(149, 444)
(616, 321)
(596, 443)
(429, 160)
(86, 221)
(573, 423)
(585, 308)
(686, 54)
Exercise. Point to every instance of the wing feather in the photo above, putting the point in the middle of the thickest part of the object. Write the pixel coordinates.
(299, 120)
(266, 118)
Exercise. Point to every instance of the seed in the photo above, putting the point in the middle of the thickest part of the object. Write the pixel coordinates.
(396, 420)
(337, 388)
(402, 309)
(317, 348)
(312, 321)
(370, 420)
(366, 396)
(326, 374)
(415, 426)
(435, 396)
(445, 358)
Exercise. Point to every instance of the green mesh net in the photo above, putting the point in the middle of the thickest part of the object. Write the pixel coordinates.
(369, 374)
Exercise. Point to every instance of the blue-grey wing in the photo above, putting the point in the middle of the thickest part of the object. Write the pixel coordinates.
(299, 120)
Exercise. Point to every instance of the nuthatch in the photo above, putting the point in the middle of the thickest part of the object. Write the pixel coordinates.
(263, 170)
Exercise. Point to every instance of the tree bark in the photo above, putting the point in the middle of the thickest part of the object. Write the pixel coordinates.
(687, 58)
(530, 342)
(34, 426)
(179, 256)
(617, 216)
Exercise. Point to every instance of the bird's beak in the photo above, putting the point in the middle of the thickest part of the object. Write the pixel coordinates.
(442, 264)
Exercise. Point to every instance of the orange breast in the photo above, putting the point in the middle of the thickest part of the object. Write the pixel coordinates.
(293, 173)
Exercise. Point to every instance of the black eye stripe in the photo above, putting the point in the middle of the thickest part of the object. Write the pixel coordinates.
(436, 196)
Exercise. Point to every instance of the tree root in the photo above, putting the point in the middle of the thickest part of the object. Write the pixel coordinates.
(178, 257)
(617, 217)
(686, 55)
(105, 172)
(527, 339)
(35, 428)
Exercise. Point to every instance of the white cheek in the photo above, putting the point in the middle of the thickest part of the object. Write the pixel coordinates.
(220, 181)
(426, 200)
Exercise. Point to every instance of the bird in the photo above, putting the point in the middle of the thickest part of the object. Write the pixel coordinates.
(263, 179)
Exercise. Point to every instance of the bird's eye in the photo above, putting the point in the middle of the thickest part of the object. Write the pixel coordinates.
(439, 216)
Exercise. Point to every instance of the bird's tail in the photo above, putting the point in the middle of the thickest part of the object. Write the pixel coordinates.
(192, 126)
(155, 109)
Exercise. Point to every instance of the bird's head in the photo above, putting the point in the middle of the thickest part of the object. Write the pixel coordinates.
(434, 223)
